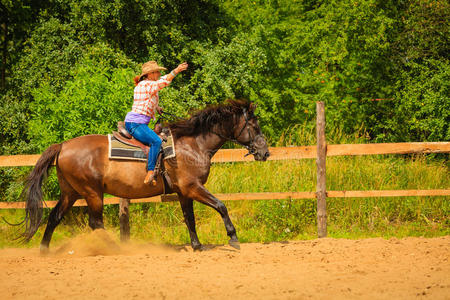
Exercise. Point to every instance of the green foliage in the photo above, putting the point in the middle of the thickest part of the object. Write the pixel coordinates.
(329, 52)
(347, 53)
(17, 19)
(423, 106)
(47, 59)
(229, 71)
(168, 31)
(98, 95)
(424, 32)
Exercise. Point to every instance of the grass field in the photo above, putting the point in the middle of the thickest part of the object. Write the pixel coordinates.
(276, 220)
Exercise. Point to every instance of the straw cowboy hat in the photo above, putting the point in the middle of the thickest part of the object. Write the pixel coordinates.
(149, 67)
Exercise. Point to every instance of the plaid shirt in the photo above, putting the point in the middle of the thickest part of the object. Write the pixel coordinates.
(146, 96)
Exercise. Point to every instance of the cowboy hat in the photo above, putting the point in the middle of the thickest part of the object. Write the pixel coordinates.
(149, 67)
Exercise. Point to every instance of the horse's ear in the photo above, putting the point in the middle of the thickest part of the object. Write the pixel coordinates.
(253, 106)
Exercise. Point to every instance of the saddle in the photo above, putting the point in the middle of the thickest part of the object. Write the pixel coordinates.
(125, 137)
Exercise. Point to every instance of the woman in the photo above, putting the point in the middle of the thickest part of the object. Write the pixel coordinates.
(146, 100)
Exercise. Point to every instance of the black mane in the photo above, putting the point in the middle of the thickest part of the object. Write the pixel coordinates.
(202, 122)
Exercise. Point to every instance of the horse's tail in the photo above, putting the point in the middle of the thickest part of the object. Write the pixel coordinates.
(32, 192)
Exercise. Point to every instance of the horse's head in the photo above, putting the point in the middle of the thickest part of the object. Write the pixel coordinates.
(248, 133)
(233, 121)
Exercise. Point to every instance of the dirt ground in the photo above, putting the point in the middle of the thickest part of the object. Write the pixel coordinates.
(94, 266)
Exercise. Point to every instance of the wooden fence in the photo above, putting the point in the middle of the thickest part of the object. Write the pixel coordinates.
(320, 152)
(285, 153)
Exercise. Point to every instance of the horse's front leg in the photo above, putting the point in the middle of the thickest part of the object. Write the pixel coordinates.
(201, 194)
(189, 218)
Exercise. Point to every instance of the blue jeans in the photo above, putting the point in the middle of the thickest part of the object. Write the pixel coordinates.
(144, 134)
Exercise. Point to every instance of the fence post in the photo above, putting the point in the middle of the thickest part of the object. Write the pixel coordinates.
(321, 191)
(124, 218)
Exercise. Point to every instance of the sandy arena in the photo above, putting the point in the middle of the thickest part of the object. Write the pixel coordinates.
(93, 266)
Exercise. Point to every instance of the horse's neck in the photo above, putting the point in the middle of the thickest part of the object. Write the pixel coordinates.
(210, 143)
(214, 140)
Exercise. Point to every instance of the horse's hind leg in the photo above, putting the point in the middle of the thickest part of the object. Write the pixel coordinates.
(93, 193)
(189, 219)
(68, 198)
(94, 201)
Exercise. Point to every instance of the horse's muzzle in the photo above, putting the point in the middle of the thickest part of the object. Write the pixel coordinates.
(262, 155)
(261, 151)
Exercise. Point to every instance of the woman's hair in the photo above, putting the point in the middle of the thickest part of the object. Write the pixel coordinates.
(138, 79)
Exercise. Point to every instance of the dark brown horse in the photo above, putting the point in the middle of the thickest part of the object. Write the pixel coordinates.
(85, 171)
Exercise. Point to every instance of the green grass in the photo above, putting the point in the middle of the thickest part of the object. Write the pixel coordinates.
(276, 220)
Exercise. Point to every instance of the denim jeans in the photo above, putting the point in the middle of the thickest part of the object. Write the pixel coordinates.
(144, 134)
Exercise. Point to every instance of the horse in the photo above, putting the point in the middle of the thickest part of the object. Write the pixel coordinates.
(84, 170)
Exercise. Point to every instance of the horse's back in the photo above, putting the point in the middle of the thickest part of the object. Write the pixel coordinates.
(84, 149)
(84, 161)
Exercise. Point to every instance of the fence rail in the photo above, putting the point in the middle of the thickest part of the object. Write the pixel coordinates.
(277, 153)
(285, 153)
(257, 196)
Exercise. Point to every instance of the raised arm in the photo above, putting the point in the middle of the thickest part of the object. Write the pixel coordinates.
(181, 67)
(167, 79)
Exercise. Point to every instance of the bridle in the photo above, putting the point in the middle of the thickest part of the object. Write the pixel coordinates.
(251, 146)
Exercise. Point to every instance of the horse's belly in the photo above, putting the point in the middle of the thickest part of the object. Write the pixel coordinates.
(125, 179)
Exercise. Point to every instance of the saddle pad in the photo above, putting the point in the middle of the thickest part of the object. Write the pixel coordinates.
(119, 150)
(168, 145)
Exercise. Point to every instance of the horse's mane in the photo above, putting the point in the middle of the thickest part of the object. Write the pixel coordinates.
(202, 121)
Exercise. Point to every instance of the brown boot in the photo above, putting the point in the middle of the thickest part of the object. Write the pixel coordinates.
(149, 178)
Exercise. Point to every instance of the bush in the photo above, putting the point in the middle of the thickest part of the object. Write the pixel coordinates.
(423, 106)
(99, 94)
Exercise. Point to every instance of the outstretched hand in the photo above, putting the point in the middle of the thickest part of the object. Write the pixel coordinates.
(181, 67)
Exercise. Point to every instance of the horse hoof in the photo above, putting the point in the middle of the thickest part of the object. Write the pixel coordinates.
(198, 248)
(44, 250)
(235, 244)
